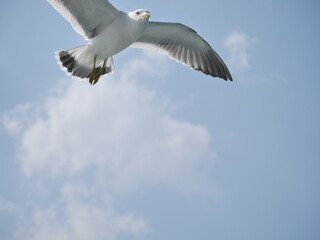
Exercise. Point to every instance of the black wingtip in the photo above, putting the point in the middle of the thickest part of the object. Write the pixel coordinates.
(226, 73)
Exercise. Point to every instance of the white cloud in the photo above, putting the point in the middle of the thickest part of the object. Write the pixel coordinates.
(6, 205)
(118, 127)
(94, 141)
(13, 120)
(238, 43)
(76, 218)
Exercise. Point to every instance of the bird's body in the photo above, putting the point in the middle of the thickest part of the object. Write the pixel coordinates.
(112, 41)
(110, 31)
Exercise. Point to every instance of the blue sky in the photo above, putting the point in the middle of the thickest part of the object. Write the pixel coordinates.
(157, 150)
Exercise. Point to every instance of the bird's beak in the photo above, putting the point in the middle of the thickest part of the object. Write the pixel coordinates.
(147, 15)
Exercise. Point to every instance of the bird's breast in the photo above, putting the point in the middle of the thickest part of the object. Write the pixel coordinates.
(117, 36)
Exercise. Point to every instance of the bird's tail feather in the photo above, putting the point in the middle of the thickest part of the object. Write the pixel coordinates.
(78, 62)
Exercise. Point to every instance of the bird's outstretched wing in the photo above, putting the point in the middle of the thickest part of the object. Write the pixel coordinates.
(184, 45)
(87, 17)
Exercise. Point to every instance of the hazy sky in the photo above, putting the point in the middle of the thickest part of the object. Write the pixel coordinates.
(157, 150)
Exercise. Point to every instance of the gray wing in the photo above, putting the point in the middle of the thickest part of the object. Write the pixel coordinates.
(87, 17)
(184, 45)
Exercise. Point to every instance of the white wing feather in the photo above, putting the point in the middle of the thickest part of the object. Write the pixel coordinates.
(184, 45)
(87, 17)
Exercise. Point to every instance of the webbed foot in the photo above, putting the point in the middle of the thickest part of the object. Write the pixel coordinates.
(95, 75)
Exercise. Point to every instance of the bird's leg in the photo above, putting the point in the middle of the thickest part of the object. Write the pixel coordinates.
(93, 71)
(98, 75)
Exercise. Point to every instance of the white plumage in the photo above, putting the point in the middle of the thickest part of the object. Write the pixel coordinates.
(109, 31)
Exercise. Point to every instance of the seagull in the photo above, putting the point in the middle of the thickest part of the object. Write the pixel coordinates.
(109, 31)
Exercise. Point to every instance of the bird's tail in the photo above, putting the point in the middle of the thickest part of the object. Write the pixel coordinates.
(79, 62)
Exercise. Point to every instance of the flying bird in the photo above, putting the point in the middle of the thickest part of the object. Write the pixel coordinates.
(109, 31)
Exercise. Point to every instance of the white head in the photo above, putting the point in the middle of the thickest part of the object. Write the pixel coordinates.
(140, 15)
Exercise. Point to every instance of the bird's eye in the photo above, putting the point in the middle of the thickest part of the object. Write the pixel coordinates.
(138, 13)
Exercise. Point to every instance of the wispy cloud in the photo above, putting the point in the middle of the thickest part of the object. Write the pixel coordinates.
(87, 143)
(6, 205)
(238, 43)
(83, 214)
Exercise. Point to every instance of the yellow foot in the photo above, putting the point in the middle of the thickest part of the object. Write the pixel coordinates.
(94, 75)
(93, 71)
(98, 75)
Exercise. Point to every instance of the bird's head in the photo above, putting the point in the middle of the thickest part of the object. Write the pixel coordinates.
(140, 15)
